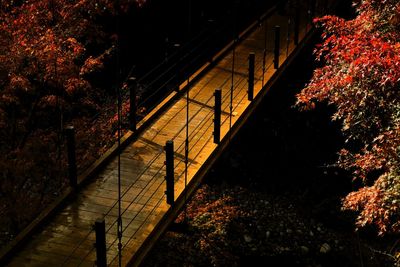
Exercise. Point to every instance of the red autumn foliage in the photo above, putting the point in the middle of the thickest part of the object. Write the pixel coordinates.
(50, 54)
(361, 78)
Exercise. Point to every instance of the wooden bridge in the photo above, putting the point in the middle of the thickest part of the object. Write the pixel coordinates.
(67, 237)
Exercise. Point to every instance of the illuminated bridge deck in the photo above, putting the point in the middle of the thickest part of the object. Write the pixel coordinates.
(67, 239)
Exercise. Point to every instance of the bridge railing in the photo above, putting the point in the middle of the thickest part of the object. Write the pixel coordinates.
(298, 23)
(166, 77)
(184, 61)
(161, 81)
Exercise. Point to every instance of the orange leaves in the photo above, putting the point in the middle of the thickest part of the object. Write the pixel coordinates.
(19, 83)
(368, 201)
(9, 99)
(91, 65)
(49, 101)
(76, 47)
(362, 79)
(43, 43)
(75, 87)
(348, 79)
(378, 204)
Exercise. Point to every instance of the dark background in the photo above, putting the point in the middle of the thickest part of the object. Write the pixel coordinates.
(150, 32)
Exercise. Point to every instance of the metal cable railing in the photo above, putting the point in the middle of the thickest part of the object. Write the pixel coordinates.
(199, 46)
(163, 79)
(112, 207)
(208, 118)
(194, 133)
(190, 59)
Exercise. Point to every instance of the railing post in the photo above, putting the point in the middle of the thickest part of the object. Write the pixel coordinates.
(101, 251)
(296, 23)
(217, 116)
(277, 48)
(169, 178)
(250, 91)
(72, 171)
(132, 103)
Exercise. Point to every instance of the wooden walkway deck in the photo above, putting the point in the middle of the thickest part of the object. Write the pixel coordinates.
(68, 238)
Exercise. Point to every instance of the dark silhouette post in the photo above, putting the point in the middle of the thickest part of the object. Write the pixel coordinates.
(169, 163)
(277, 47)
(132, 103)
(101, 251)
(72, 171)
(217, 116)
(250, 91)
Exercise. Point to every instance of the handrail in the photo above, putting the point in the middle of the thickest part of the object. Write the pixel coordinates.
(179, 66)
(148, 74)
(176, 53)
(175, 66)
